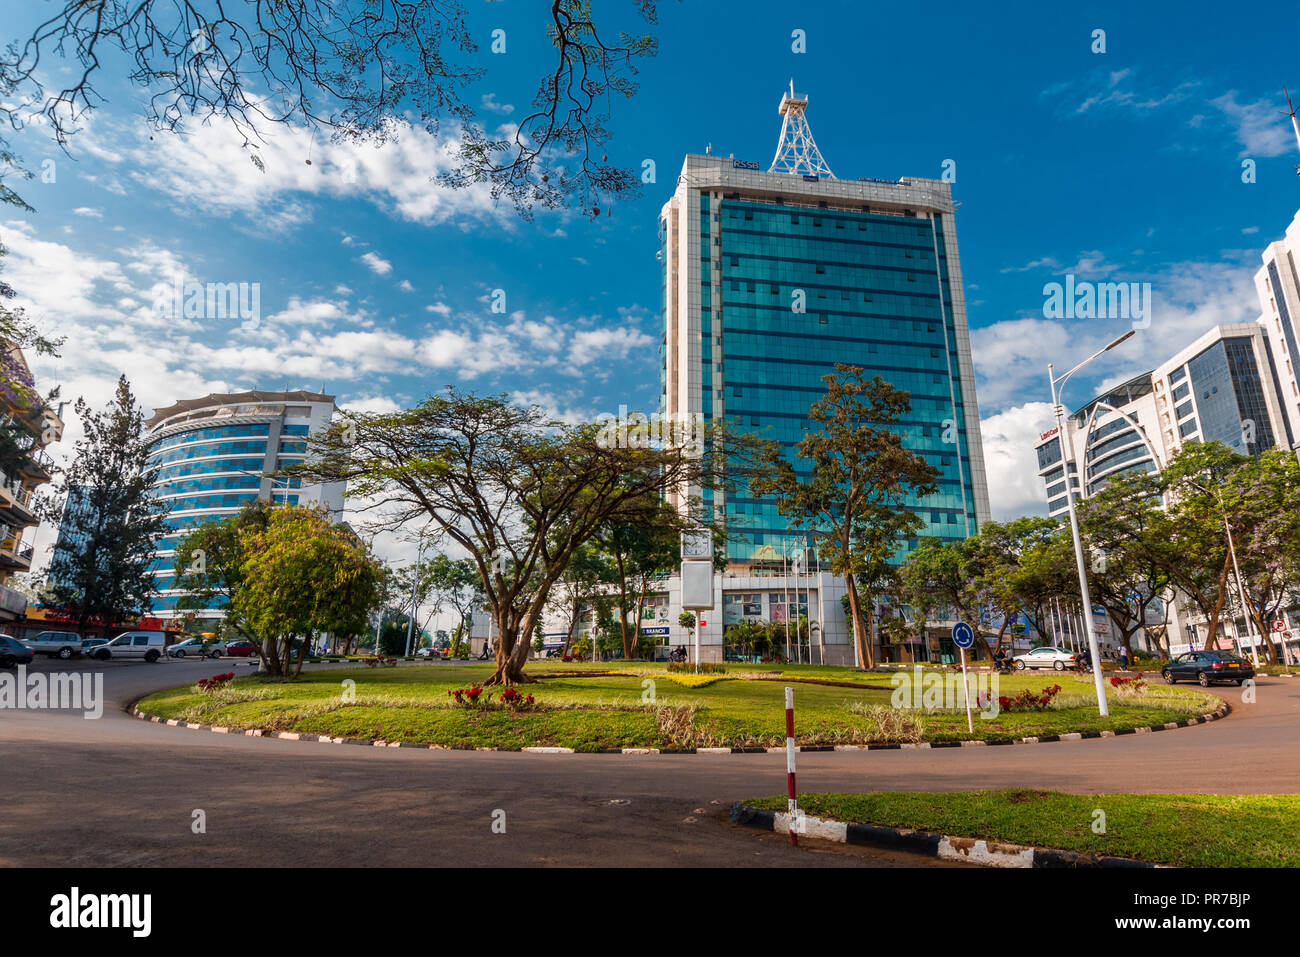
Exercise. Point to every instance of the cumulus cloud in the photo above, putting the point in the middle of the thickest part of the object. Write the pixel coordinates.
(377, 264)
(1011, 461)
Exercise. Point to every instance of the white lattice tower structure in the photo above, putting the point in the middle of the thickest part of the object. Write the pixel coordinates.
(797, 151)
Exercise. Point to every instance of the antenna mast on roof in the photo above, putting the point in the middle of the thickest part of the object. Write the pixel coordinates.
(1294, 125)
(797, 151)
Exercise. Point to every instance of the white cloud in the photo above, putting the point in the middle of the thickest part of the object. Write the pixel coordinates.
(89, 211)
(378, 265)
(405, 286)
(490, 103)
(206, 170)
(441, 308)
(1189, 298)
(1258, 127)
(1012, 462)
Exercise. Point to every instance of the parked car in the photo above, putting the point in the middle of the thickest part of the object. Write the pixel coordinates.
(148, 645)
(241, 649)
(14, 652)
(1049, 656)
(198, 648)
(1207, 667)
(55, 644)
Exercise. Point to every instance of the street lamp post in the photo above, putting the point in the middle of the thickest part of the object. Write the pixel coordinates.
(1058, 387)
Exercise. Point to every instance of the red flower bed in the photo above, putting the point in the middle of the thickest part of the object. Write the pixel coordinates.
(1128, 684)
(1029, 700)
(216, 681)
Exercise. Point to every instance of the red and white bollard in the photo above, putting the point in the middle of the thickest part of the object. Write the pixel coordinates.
(792, 804)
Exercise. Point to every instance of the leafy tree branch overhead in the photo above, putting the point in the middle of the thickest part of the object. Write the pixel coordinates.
(348, 69)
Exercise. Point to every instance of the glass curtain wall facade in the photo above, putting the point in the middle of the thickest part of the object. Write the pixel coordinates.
(210, 457)
(770, 279)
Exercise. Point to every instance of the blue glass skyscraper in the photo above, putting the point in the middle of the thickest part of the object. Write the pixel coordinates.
(770, 278)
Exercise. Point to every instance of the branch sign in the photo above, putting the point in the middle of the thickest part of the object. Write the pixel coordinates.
(963, 636)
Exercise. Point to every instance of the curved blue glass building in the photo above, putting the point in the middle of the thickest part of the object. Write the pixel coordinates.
(212, 456)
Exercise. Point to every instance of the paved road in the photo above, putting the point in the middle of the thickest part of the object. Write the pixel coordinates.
(121, 792)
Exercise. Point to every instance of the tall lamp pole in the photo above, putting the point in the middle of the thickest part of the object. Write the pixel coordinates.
(1058, 387)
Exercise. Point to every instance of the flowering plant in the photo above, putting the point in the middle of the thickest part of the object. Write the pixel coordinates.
(1029, 700)
(1130, 686)
(216, 681)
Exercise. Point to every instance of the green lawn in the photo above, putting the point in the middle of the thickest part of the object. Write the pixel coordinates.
(1186, 830)
(588, 712)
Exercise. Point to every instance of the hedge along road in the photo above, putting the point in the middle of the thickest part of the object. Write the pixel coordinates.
(120, 792)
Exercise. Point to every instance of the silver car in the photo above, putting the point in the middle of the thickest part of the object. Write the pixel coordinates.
(1049, 656)
(198, 648)
(55, 644)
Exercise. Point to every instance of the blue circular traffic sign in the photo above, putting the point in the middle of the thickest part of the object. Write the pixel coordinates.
(963, 636)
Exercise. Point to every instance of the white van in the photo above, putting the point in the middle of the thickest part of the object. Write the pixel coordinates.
(148, 645)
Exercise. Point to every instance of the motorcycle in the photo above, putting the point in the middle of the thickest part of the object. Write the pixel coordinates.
(677, 654)
(1004, 665)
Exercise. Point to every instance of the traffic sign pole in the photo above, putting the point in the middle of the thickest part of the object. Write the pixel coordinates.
(963, 636)
(965, 684)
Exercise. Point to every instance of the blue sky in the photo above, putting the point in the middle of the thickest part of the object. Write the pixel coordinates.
(1125, 165)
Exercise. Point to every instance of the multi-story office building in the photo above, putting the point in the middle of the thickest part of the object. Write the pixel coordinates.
(30, 425)
(770, 278)
(1278, 284)
(210, 457)
(1221, 388)
(1218, 389)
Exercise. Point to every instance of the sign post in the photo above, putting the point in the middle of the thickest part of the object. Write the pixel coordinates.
(963, 636)
(697, 578)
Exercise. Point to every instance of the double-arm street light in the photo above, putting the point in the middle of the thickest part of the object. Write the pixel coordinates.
(1058, 387)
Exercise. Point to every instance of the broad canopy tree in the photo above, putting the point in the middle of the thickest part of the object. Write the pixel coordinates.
(520, 494)
(351, 70)
(303, 576)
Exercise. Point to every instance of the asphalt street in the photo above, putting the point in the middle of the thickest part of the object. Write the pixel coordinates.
(118, 791)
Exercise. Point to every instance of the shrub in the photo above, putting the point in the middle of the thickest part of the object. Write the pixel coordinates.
(215, 682)
(705, 668)
(1029, 700)
(893, 725)
(475, 698)
(1128, 687)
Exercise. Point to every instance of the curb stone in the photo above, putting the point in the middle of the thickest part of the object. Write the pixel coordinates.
(969, 850)
(1222, 712)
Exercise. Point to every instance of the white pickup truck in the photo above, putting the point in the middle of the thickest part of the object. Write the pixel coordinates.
(55, 644)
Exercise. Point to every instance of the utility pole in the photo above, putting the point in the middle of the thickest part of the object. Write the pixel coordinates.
(415, 588)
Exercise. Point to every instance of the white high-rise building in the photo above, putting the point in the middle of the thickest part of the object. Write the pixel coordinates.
(1278, 285)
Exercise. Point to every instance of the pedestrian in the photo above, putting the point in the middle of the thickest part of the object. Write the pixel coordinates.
(1123, 657)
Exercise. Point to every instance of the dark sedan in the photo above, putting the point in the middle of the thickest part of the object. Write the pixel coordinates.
(14, 652)
(1207, 667)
